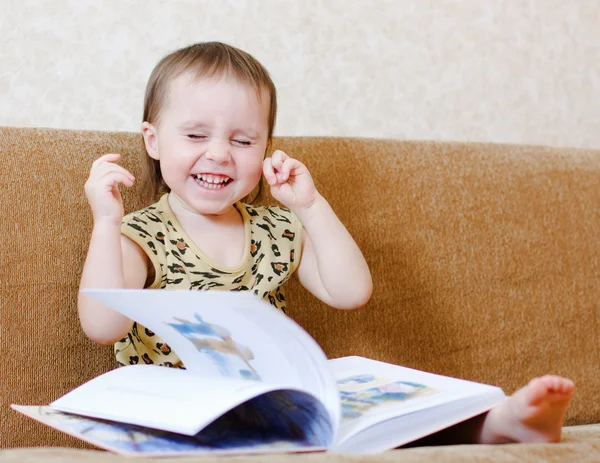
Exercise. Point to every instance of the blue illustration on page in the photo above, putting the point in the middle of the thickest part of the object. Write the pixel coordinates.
(363, 393)
(231, 358)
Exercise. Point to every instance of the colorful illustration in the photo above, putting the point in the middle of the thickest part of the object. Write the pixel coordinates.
(279, 421)
(231, 358)
(364, 393)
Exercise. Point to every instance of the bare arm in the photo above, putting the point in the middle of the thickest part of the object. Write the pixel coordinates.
(332, 266)
(108, 255)
(112, 261)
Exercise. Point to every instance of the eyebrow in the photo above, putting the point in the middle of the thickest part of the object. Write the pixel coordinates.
(192, 125)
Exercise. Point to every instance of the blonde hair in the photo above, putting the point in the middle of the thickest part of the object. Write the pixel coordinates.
(206, 59)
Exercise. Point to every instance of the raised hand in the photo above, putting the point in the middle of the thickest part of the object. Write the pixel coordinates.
(290, 181)
(102, 189)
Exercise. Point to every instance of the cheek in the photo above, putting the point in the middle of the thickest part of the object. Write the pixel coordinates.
(176, 160)
(252, 164)
(255, 172)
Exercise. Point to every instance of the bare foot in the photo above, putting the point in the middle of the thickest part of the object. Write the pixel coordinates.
(535, 413)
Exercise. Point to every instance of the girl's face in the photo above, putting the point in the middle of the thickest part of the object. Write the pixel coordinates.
(210, 140)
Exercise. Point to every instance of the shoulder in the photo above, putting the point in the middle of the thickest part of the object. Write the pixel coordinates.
(275, 215)
(278, 226)
(156, 210)
(146, 230)
(146, 219)
(279, 222)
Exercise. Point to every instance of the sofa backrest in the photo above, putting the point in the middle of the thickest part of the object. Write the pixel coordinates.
(485, 261)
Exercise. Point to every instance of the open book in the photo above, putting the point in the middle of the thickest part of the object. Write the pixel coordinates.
(255, 382)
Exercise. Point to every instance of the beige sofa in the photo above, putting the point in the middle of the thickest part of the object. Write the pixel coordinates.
(485, 258)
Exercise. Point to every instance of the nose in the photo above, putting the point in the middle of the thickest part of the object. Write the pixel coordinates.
(218, 151)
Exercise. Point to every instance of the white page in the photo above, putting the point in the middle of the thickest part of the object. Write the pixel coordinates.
(161, 398)
(364, 382)
(401, 430)
(274, 348)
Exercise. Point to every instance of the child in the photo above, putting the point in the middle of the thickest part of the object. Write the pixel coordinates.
(208, 121)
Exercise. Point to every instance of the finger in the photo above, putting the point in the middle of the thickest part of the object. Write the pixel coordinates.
(108, 167)
(278, 159)
(110, 157)
(109, 179)
(269, 172)
(104, 166)
(122, 170)
(113, 179)
(287, 168)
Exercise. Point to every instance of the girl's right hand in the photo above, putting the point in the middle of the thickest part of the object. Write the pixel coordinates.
(102, 189)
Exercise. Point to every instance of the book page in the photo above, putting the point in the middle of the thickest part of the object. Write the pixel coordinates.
(231, 334)
(127, 439)
(158, 397)
(373, 392)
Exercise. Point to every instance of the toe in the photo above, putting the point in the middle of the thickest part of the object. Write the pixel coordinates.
(536, 390)
(559, 385)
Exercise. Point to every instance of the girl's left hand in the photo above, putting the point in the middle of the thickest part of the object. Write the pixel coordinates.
(290, 181)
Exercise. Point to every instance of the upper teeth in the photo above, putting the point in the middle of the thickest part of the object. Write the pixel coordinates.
(209, 178)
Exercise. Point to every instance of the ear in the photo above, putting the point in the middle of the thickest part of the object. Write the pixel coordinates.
(150, 139)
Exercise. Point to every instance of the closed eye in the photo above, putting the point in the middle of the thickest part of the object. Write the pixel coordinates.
(242, 142)
(196, 137)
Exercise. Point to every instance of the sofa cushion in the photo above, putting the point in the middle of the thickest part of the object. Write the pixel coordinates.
(580, 444)
(484, 258)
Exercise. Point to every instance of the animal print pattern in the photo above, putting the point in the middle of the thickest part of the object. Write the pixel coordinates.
(272, 254)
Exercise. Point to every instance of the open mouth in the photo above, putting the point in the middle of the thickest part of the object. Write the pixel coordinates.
(212, 181)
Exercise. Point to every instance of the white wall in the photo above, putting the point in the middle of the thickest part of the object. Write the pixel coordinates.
(488, 70)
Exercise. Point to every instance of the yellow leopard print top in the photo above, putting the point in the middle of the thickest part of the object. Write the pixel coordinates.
(273, 236)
